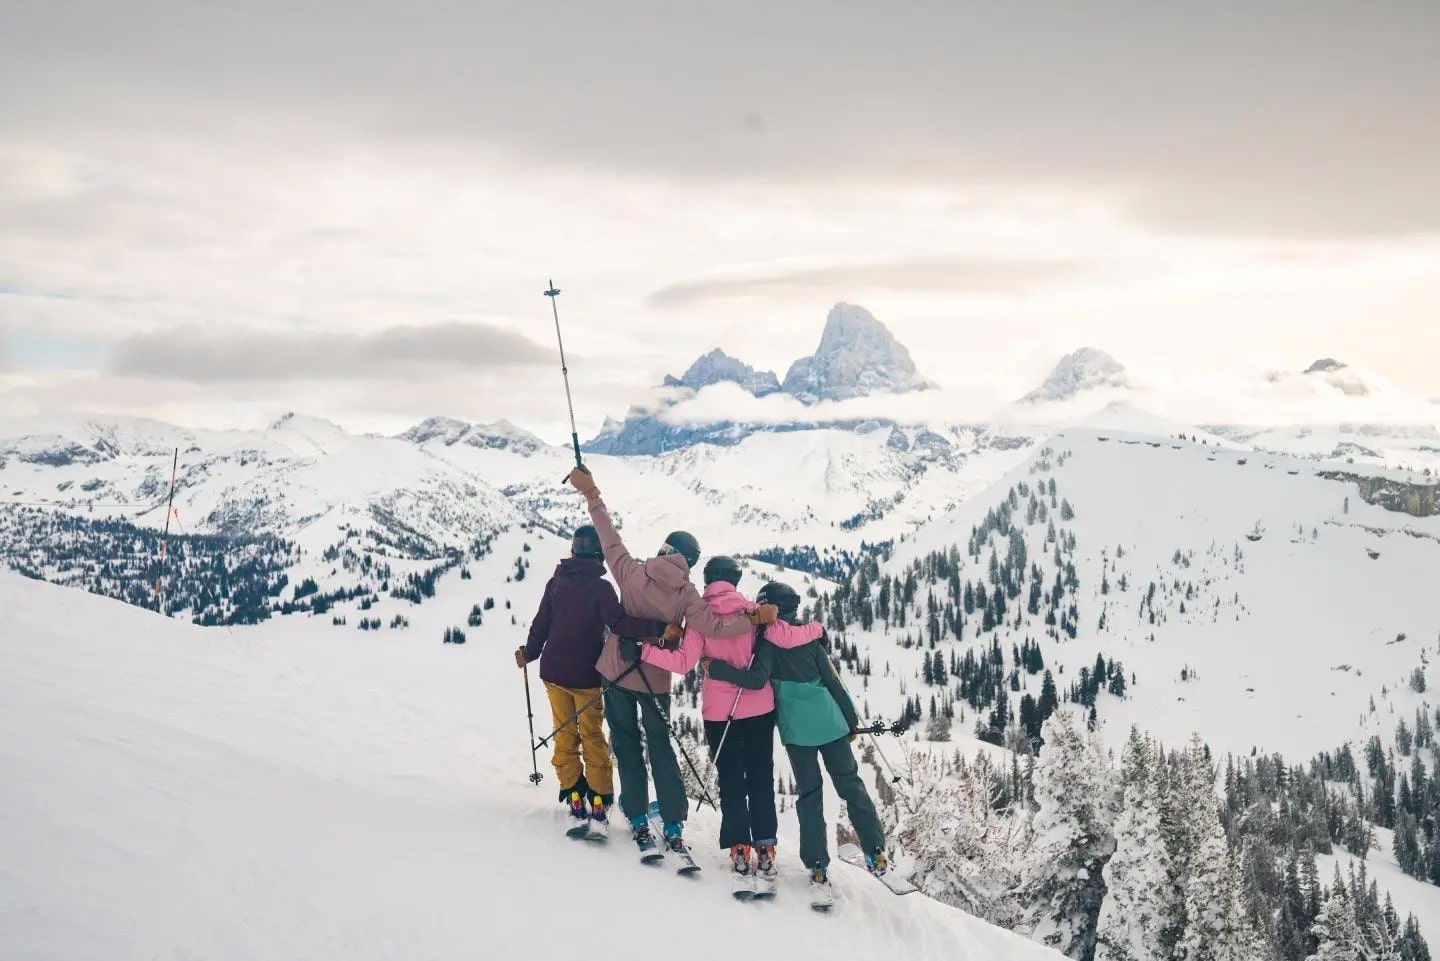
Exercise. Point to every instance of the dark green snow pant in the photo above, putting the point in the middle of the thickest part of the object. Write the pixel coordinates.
(621, 706)
(810, 806)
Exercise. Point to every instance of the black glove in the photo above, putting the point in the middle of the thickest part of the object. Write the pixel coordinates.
(629, 649)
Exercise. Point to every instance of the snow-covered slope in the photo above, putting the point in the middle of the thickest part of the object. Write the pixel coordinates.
(1283, 639)
(302, 792)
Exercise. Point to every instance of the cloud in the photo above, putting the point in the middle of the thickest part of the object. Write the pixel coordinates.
(729, 402)
(924, 275)
(204, 356)
(1229, 115)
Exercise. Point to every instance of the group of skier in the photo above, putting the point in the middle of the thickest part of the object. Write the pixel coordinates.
(610, 659)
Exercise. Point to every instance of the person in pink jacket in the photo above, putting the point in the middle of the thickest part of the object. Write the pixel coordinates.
(739, 726)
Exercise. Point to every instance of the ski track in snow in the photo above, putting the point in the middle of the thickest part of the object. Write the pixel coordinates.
(303, 791)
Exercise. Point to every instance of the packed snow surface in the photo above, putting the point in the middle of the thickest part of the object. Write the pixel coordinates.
(301, 791)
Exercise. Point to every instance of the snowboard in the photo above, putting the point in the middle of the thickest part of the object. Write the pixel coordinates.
(657, 828)
(851, 854)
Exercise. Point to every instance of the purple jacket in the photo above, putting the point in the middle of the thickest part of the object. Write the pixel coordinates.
(569, 628)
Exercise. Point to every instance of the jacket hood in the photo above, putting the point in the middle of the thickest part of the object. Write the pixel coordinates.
(723, 598)
(580, 567)
(668, 569)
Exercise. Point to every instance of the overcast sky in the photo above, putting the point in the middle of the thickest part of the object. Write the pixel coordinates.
(214, 213)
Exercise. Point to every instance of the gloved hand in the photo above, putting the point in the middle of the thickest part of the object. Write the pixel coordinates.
(520, 657)
(853, 736)
(583, 481)
(672, 637)
(629, 649)
(764, 614)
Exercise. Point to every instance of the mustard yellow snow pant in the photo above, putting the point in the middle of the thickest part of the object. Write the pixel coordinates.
(581, 737)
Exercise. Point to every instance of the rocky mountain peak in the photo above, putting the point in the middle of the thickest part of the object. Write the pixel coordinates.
(1079, 371)
(857, 356)
(718, 366)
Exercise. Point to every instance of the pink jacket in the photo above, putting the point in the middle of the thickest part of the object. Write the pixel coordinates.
(716, 696)
(660, 588)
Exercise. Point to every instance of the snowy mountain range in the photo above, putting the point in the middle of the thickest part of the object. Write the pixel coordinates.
(857, 356)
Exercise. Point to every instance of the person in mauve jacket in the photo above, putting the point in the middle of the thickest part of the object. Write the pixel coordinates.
(567, 634)
(638, 694)
(817, 722)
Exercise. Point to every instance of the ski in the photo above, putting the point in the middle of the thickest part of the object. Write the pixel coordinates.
(851, 854)
(682, 853)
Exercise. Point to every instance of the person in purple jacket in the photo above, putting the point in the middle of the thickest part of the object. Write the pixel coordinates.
(567, 636)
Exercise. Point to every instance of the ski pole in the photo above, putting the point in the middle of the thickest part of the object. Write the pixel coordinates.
(554, 293)
(581, 710)
(894, 778)
(535, 776)
(655, 702)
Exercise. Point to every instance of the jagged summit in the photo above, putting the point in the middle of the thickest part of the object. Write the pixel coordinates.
(857, 356)
(1325, 365)
(1077, 372)
(717, 367)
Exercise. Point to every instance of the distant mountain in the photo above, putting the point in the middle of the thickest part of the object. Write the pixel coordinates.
(447, 431)
(857, 357)
(1076, 373)
(1327, 373)
(718, 367)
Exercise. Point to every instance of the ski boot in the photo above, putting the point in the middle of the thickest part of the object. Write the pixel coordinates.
(766, 873)
(822, 895)
(674, 839)
(742, 877)
(644, 840)
(579, 816)
(877, 862)
(599, 822)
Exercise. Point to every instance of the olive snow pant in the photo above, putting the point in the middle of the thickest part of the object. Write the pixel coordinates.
(583, 736)
(810, 805)
(621, 707)
(746, 772)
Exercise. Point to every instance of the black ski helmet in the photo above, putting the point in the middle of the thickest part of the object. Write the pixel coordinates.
(585, 542)
(722, 568)
(684, 544)
(783, 596)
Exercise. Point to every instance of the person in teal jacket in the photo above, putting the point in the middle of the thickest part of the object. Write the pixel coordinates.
(817, 722)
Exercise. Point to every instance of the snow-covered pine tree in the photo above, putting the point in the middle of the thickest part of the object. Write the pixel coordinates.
(1138, 884)
(1336, 929)
(964, 840)
(1063, 885)
(1216, 928)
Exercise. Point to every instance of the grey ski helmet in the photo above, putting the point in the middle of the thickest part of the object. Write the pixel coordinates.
(684, 544)
(585, 542)
(783, 596)
(722, 568)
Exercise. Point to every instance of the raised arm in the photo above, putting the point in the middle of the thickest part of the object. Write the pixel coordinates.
(786, 635)
(622, 566)
(755, 678)
(831, 680)
(679, 661)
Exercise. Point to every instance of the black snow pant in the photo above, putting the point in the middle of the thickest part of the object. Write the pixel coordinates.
(810, 805)
(621, 708)
(746, 771)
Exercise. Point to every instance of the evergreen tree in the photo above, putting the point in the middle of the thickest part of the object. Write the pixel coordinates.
(1138, 876)
(1063, 887)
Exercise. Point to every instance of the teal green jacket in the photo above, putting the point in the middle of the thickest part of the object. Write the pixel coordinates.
(812, 706)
